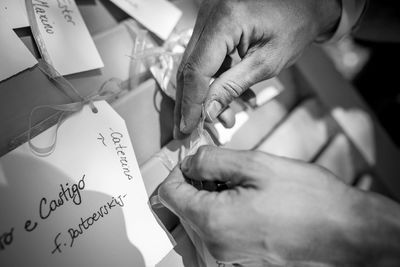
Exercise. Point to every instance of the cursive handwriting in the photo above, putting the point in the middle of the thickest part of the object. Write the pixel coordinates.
(28, 226)
(65, 195)
(85, 224)
(6, 239)
(116, 138)
(40, 7)
(102, 139)
(65, 11)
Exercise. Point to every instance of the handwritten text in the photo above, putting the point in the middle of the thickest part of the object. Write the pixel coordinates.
(86, 223)
(40, 7)
(6, 239)
(66, 11)
(65, 195)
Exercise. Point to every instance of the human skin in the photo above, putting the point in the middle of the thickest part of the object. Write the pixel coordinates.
(282, 212)
(268, 35)
(277, 211)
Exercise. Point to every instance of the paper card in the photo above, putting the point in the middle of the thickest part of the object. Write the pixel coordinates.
(84, 205)
(67, 44)
(224, 134)
(159, 16)
(15, 13)
(14, 56)
(266, 90)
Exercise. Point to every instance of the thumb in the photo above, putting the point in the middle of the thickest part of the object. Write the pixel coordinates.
(182, 198)
(243, 168)
(233, 82)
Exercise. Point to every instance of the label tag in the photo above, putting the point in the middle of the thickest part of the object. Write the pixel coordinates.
(83, 205)
(62, 36)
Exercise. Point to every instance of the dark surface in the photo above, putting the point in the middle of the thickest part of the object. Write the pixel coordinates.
(378, 83)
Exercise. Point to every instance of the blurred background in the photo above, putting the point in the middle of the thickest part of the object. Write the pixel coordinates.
(371, 67)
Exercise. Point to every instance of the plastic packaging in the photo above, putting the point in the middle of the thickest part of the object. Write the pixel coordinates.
(163, 61)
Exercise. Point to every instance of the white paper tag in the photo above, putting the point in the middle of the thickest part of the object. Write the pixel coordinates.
(14, 56)
(84, 205)
(159, 16)
(266, 95)
(15, 13)
(224, 134)
(267, 90)
(68, 45)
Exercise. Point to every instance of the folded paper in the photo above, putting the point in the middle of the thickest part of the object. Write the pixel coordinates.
(62, 36)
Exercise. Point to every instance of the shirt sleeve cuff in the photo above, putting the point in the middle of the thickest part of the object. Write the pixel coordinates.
(352, 10)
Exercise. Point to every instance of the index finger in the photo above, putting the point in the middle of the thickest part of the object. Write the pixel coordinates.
(196, 71)
(202, 16)
(183, 199)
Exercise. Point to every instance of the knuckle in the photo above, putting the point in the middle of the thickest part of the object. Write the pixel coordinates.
(198, 159)
(274, 67)
(186, 68)
(228, 14)
(232, 89)
(268, 59)
(227, 91)
(227, 21)
(271, 69)
(203, 153)
(188, 71)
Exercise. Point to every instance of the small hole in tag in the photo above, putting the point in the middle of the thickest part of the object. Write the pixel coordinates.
(93, 107)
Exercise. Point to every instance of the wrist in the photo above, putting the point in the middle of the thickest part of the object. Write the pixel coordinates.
(374, 229)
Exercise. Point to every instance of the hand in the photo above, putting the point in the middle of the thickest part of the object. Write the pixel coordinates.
(268, 35)
(280, 211)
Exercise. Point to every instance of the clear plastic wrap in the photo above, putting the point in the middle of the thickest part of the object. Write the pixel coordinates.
(189, 146)
(163, 61)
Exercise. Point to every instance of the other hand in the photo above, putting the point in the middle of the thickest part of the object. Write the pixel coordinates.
(280, 212)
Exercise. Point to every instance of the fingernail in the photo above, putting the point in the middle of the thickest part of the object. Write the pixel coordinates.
(182, 125)
(185, 165)
(213, 109)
